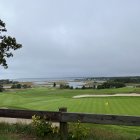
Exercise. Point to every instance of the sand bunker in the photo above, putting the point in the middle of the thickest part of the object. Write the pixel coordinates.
(114, 95)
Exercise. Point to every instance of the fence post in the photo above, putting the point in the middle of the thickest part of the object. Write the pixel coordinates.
(63, 126)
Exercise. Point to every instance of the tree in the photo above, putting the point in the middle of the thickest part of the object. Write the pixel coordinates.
(7, 44)
(1, 88)
(54, 84)
(83, 87)
(111, 84)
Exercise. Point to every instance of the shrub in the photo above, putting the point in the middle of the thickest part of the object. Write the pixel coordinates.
(42, 127)
(16, 86)
(20, 86)
(13, 86)
(83, 87)
(54, 84)
(64, 86)
(1, 88)
(71, 87)
(79, 132)
(26, 86)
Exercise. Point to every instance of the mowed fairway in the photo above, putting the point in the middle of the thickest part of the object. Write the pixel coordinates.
(51, 99)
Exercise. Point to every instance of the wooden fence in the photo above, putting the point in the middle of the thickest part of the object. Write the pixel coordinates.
(62, 116)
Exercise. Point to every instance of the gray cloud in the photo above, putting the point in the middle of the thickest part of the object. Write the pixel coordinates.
(73, 37)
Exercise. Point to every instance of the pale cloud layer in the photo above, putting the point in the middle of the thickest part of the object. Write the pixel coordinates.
(63, 38)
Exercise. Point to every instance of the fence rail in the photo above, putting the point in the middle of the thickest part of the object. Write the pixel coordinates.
(63, 117)
(27, 114)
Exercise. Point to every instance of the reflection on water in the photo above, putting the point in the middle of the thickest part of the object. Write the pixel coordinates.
(70, 83)
(76, 84)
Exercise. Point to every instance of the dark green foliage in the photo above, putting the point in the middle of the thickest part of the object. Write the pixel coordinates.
(127, 79)
(100, 87)
(7, 81)
(111, 84)
(18, 86)
(54, 84)
(7, 44)
(64, 86)
(71, 87)
(83, 87)
(86, 87)
(13, 86)
(1, 88)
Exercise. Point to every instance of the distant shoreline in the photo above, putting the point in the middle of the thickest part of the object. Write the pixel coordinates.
(47, 79)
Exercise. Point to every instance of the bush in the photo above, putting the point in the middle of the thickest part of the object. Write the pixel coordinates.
(42, 127)
(64, 86)
(87, 87)
(18, 86)
(1, 88)
(71, 87)
(79, 132)
(26, 86)
(13, 86)
(54, 84)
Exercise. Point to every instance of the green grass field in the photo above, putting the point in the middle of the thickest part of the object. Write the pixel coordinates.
(52, 99)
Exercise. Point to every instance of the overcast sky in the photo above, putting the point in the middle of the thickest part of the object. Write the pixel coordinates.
(66, 38)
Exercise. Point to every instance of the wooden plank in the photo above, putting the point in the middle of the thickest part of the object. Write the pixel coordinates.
(63, 126)
(27, 114)
(101, 119)
(73, 117)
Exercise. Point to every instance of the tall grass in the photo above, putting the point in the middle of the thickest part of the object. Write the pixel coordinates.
(96, 132)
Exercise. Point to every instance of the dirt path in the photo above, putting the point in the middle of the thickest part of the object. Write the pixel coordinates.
(24, 121)
(15, 120)
(114, 95)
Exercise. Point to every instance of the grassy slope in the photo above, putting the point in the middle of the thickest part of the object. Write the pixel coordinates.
(52, 99)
